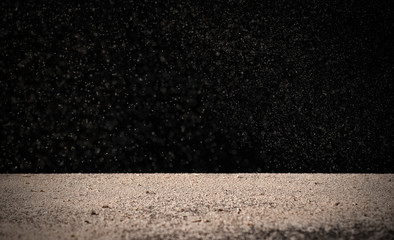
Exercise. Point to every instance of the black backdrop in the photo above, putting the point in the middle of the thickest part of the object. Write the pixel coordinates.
(134, 86)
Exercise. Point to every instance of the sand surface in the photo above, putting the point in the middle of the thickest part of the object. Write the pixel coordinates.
(196, 206)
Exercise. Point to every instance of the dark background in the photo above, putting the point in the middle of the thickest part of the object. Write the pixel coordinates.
(241, 86)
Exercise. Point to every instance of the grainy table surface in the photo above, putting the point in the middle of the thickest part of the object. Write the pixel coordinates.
(196, 206)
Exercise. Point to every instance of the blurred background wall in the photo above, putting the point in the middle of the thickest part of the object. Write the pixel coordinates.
(160, 86)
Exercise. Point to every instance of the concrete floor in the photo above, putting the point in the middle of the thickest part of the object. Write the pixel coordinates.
(196, 206)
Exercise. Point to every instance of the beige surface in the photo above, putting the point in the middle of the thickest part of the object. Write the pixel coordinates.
(191, 206)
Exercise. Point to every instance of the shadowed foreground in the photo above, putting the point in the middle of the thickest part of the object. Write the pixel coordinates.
(194, 206)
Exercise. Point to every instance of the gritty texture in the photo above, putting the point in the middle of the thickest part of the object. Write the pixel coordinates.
(196, 206)
(170, 86)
